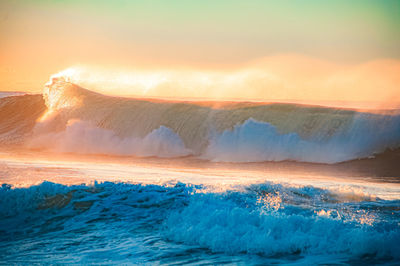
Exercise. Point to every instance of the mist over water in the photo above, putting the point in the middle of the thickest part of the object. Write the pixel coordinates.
(81, 121)
(281, 78)
(157, 214)
(199, 132)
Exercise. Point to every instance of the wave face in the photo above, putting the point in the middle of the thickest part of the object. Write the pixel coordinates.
(181, 223)
(73, 119)
(18, 115)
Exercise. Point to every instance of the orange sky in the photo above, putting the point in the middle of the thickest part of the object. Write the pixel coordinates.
(291, 50)
(288, 77)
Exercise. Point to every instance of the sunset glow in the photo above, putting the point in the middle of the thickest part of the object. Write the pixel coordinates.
(213, 132)
(279, 78)
(313, 50)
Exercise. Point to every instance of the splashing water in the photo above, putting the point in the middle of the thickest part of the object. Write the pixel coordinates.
(136, 223)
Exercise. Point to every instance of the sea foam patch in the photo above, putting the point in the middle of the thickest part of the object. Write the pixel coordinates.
(82, 137)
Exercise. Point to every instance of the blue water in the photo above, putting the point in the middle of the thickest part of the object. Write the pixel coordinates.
(192, 224)
(228, 217)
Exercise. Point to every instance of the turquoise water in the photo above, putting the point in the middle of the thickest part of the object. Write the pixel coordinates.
(191, 224)
(207, 188)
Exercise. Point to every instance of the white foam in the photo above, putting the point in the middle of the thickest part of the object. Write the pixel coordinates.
(238, 133)
(82, 137)
(255, 141)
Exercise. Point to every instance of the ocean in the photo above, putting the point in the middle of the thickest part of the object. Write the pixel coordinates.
(94, 179)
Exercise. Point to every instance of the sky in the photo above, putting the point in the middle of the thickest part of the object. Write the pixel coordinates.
(42, 37)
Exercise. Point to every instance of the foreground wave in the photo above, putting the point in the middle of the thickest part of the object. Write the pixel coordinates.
(68, 118)
(183, 223)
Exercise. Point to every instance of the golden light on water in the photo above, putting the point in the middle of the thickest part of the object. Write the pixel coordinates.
(199, 132)
(288, 78)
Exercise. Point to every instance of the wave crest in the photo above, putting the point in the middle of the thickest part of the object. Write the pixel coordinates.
(304, 222)
(219, 131)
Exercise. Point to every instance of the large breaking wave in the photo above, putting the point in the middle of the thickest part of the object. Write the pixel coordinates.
(69, 118)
